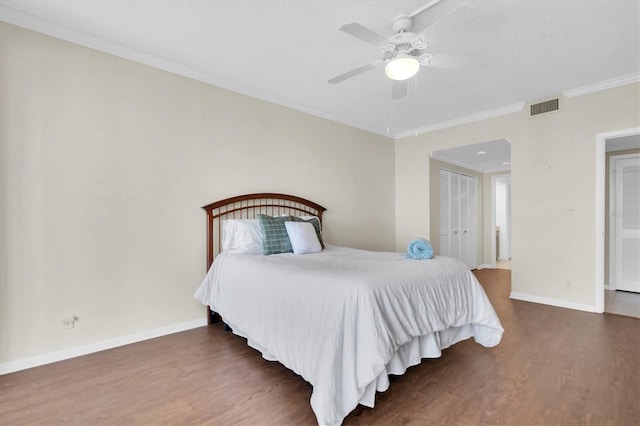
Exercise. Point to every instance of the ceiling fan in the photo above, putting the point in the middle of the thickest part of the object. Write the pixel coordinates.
(405, 52)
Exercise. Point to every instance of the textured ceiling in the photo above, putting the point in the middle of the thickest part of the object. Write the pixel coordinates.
(285, 51)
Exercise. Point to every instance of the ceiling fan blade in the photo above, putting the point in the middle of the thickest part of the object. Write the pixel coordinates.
(456, 63)
(364, 34)
(454, 20)
(352, 73)
(399, 89)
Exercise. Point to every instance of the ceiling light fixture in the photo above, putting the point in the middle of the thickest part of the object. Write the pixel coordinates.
(481, 152)
(402, 67)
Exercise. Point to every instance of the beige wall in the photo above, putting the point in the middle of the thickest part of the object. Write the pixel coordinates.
(553, 165)
(104, 166)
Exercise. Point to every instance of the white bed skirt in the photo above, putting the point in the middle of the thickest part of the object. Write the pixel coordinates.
(412, 353)
(407, 355)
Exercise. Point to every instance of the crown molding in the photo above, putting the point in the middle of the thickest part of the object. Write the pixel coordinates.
(603, 85)
(579, 91)
(53, 29)
(50, 28)
(479, 116)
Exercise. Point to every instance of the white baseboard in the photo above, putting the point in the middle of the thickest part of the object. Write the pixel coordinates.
(23, 364)
(552, 302)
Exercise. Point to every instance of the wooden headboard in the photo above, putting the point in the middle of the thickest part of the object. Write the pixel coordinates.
(248, 207)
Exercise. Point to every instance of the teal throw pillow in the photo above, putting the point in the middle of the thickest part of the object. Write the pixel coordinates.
(274, 231)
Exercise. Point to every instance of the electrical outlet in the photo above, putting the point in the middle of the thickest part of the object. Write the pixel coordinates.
(568, 284)
(69, 321)
(569, 211)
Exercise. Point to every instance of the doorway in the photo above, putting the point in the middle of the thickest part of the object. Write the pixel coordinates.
(617, 238)
(624, 222)
(501, 194)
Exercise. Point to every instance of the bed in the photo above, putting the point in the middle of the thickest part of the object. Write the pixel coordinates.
(344, 319)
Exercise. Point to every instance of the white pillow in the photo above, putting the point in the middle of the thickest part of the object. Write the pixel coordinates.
(242, 236)
(303, 237)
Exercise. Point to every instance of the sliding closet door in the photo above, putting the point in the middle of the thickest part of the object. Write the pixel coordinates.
(445, 213)
(454, 203)
(458, 216)
(470, 230)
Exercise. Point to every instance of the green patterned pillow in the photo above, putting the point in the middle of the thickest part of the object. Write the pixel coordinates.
(316, 224)
(274, 231)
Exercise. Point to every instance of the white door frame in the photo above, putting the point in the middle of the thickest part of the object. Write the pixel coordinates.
(601, 158)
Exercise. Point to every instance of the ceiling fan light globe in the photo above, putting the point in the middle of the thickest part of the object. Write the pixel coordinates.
(402, 68)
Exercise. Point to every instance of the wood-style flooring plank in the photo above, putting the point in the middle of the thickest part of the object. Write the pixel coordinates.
(554, 366)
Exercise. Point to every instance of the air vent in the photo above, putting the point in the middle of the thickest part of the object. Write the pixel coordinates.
(546, 106)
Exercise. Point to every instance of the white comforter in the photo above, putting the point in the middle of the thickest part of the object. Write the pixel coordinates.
(342, 317)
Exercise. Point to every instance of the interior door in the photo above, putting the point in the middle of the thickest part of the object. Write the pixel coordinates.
(472, 225)
(464, 218)
(445, 213)
(454, 202)
(627, 229)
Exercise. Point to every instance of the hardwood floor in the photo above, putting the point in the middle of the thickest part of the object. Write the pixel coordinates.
(553, 366)
(622, 303)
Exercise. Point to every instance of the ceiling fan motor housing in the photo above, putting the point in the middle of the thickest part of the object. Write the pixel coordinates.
(408, 43)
